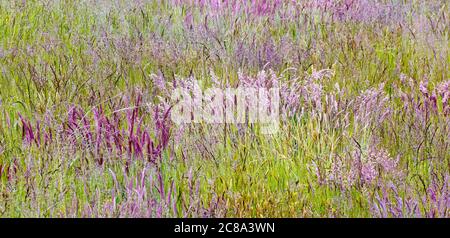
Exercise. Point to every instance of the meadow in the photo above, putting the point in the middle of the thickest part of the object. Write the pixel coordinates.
(85, 108)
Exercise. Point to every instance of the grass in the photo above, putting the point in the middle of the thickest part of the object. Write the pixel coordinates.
(387, 95)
